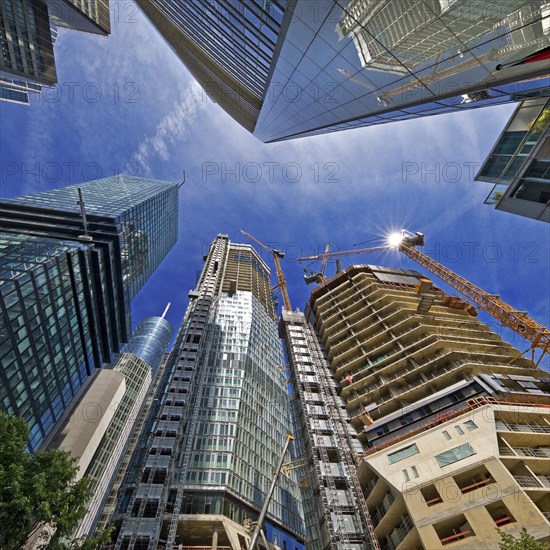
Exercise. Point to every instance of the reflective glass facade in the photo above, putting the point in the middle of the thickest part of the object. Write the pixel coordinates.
(46, 337)
(28, 29)
(229, 46)
(220, 419)
(143, 213)
(519, 164)
(340, 64)
(150, 341)
(64, 302)
(348, 64)
(26, 42)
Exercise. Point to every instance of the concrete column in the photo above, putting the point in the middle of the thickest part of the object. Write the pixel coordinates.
(215, 539)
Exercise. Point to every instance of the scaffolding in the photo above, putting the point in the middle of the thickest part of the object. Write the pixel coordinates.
(331, 450)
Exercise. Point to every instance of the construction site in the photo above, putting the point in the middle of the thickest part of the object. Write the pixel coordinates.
(412, 424)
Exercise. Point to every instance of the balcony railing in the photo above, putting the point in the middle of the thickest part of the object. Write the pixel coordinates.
(476, 485)
(528, 482)
(369, 487)
(534, 428)
(397, 535)
(531, 452)
(382, 510)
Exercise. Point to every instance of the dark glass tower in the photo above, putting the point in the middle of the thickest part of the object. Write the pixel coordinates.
(229, 47)
(64, 297)
(345, 64)
(207, 454)
(27, 35)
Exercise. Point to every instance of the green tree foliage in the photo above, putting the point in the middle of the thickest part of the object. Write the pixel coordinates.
(524, 542)
(38, 489)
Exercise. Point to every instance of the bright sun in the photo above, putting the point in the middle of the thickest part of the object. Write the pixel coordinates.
(394, 239)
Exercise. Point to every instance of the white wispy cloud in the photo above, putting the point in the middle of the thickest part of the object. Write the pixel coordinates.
(173, 128)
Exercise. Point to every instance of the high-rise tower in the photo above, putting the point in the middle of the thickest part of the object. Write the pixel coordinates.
(27, 33)
(292, 69)
(336, 515)
(519, 163)
(220, 421)
(66, 285)
(453, 420)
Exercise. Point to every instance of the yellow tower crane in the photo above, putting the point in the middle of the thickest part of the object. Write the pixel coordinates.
(281, 281)
(406, 242)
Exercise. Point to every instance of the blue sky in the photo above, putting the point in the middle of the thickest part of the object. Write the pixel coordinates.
(126, 103)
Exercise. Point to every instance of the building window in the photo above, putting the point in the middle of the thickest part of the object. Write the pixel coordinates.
(447, 435)
(406, 475)
(431, 495)
(500, 513)
(414, 471)
(469, 425)
(453, 529)
(459, 430)
(403, 453)
(454, 455)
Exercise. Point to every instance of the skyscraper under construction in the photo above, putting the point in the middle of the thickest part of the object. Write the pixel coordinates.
(218, 423)
(450, 422)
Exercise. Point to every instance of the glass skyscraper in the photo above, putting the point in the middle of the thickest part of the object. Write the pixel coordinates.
(209, 450)
(228, 46)
(27, 34)
(519, 163)
(344, 64)
(138, 364)
(65, 297)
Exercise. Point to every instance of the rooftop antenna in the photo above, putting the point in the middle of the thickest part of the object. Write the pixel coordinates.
(180, 185)
(166, 309)
(86, 237)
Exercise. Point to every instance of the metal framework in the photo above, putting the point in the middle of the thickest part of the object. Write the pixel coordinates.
(281, 281)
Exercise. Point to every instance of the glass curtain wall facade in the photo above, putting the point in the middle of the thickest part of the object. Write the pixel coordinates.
(220, 423)
(142, 213)
(519, 163)
(350, 64)
(28, 29)
(45, 329)
(139, 364)
(27, 49)
(332, 65)
(65, 302)
(228, 46)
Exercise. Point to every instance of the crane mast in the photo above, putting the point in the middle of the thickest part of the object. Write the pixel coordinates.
(281, 281)
(518, 321)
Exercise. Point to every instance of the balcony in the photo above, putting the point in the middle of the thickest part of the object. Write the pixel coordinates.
(532, 427)
(453, 529)
(382, 510)
(396, 537)
(529, 452)
(533, 482)
(473, 479)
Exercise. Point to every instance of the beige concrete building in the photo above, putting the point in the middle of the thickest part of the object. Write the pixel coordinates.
(454, 422)
(457, 481)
